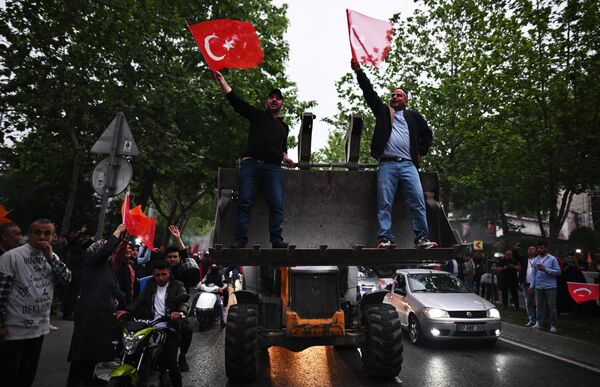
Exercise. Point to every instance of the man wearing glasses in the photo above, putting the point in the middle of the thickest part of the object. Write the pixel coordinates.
(401, 138)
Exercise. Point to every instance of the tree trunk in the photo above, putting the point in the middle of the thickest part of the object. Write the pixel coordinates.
(70, 205)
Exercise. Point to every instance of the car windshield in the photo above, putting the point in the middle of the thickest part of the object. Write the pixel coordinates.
(435, 283)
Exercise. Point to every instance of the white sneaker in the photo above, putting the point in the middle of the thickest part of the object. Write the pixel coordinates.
(529, 324)
(553, 330)
(52, 327)
(537, 326)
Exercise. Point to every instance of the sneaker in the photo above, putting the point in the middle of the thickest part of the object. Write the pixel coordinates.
(530, 324)
(383, 244)
(183, 365)
(553, 330)
(536, 326)
(424, 243)
(53, 328)
(279, 245)
(237, 245)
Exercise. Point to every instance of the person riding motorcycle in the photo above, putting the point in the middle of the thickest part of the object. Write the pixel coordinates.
(215, 277)
(159, 299)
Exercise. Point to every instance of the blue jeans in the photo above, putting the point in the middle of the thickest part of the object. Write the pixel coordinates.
(543, 296)
(392, 175)
(255, 175)
(529, 302)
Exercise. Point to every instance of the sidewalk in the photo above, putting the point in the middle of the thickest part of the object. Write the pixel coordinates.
(566, 347)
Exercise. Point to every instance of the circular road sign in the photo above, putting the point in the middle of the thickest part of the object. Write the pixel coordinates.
(122, 172)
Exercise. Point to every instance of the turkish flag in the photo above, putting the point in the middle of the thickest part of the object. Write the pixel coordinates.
(3, 213)
(369, 38)
(138, 224)
(228, 43)
(582, 292)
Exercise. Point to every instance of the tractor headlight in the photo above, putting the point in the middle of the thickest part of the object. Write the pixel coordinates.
(131, 342)
(435, 313)
(493, 313)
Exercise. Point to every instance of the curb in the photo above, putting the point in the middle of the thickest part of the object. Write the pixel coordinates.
(575, 350)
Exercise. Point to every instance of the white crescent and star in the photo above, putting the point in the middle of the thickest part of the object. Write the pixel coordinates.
(585, 290)
(228, 45)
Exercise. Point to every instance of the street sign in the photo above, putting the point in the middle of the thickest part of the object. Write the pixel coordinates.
(122, 172)
(477, 245)
(126, 145)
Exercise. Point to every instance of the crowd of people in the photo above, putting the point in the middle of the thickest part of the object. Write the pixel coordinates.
(99, 282)
(540, 276)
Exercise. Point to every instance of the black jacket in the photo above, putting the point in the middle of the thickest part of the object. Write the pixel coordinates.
(143, 306)
(267, 138)
(95, 308)
(419, 133)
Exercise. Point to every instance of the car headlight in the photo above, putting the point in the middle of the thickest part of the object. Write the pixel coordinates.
(130, 342)
(435, 313)
(493, 313)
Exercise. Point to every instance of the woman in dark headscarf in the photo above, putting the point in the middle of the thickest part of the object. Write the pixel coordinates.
(94, 312)
(120, 262)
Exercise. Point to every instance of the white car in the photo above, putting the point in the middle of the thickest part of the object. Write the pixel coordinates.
(435, 305)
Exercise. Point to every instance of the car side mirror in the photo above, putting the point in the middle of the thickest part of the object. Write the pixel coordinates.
(400, 291)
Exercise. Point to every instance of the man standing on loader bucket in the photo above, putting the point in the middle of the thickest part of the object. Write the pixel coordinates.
(400, 139)
(261, 162)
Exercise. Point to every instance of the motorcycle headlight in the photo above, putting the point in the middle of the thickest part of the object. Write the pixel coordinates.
(130, 342)
(435, 313)
(493, 313)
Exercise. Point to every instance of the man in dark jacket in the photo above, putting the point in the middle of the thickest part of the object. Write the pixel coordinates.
(261, 162)
(401, 138)
(159, 298)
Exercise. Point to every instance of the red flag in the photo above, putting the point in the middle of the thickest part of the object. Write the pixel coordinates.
(228, 43)
(138, 223)
(3, 213)
(589, 258)
(196, 249)
(582, 292)
(369, 38)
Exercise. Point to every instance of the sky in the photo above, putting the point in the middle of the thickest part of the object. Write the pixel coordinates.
(320, 51)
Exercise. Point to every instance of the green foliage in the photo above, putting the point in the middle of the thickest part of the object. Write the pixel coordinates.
(67, 67)
(509, 88)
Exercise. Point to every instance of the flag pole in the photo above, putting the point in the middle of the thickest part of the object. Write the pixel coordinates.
(350, 35)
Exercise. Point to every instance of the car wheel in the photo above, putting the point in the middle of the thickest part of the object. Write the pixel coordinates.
(415, 334)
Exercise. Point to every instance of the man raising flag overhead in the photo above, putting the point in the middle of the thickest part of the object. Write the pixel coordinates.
(369, 38)
(228, 44)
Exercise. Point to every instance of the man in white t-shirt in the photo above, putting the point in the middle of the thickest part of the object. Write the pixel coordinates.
(27, 278)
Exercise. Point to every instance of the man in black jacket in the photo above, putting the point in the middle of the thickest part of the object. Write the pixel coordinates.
(159, 298)
(401, 138)
(261, 162)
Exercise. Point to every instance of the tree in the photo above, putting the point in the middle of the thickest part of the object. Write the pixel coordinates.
(68, 67)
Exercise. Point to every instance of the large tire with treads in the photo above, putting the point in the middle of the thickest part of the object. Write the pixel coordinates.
(382, 355)
(241, 343)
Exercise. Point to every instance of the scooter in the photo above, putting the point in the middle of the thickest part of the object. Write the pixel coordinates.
(204, 306)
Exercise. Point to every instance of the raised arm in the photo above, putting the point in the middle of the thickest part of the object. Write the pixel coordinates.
(369, 93)
(239, 105)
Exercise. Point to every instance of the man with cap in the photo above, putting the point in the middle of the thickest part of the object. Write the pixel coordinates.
(261, 162)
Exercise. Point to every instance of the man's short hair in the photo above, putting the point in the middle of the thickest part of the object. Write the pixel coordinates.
(160, 265)
(40, 221)
(5, 228)
(542, 242)
(172, 249)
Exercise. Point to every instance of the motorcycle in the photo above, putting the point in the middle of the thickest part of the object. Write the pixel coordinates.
(205, 305)
(143, 342)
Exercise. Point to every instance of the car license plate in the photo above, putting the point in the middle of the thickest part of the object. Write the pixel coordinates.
(470, 327)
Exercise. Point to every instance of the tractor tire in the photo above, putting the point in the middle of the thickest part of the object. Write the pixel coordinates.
(241, 343)
(382, 356)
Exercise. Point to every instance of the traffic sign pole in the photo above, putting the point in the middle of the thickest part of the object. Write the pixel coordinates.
(108, 182)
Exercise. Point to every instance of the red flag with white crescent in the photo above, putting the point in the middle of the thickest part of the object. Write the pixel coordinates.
(582, 292)
(370, 38)
(228, 43)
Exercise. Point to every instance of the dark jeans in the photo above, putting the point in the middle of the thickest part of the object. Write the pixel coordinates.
(254, 176)
(170, 358)
(514, 293)
(186, 335)
(19, 361)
